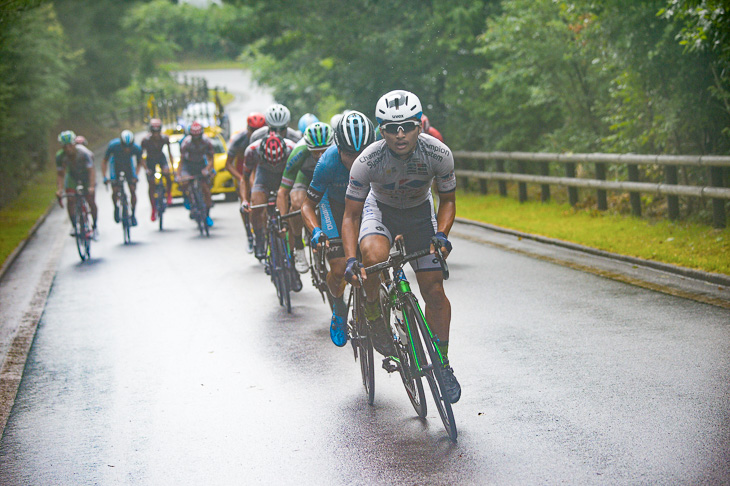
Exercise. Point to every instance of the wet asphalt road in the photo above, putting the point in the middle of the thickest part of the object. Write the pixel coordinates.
(169, 361)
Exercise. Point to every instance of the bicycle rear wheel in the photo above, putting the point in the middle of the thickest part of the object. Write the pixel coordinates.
(409, 354)
(285, 274)
(360, 338)
(431, 366)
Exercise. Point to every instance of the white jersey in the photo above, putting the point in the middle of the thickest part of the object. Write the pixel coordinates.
(402, 183)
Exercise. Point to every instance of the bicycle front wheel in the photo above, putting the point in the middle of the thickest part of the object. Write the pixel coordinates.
(126, 223)
(408, 352)
(431, 366)
(82, 233)
(363, 344)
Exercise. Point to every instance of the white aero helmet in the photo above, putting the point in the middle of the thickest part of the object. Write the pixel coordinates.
(396, 106)
(277, 116)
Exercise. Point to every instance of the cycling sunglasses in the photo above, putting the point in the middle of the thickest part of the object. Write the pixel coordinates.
(406, 126)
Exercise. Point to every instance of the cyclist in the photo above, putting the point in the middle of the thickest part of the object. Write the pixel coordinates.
(120, 152)
(268, 157)
(306, 120)
(329, 183)
(152, 146)
(75, 163)
(390, 187)
(296, 178)
(429, 130)
(277, 117)
(196, 158)
(234, 160)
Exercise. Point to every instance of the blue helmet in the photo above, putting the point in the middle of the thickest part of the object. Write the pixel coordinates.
(306, 120)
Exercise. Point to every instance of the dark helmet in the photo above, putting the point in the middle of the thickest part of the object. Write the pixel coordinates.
(354, 132)
(155, 125)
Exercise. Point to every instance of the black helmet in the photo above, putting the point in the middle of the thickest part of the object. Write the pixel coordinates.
(354, 132)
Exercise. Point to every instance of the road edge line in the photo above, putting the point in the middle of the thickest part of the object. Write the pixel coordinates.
(18, 249)
(13, 366)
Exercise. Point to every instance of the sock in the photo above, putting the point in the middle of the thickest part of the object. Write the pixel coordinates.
(372, 310)
(444, 348)
(339, 307)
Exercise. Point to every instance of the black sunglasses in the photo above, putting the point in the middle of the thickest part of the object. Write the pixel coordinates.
(406, 126)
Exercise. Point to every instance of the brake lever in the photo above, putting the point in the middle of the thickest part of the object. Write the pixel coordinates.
(444, 265)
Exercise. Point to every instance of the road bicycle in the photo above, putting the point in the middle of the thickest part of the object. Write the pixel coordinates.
(83, 229)
(416, 346)
(160, 192)
(122, 205)
(198, 207)
(279, 263)
(319, 268)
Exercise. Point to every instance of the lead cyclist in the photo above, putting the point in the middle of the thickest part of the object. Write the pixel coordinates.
(390, 187)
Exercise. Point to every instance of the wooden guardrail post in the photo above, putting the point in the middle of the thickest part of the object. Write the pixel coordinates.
(671, 178)
(634, 197)
(718, 205)
(572, 191)
(601, 194)
(502, 184)
(545, 188)
(521, 186)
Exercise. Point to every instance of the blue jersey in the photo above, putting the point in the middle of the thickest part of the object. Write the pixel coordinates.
(330, 176)
(121, 158)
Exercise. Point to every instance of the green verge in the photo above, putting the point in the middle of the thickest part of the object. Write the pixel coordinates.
(18, 217)
(680, 243)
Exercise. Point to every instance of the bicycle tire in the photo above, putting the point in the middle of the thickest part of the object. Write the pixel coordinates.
(125, 219)
(272, 262)
(284, 272)
(409, 352)
(363, 345)
(432, 370)
(161, 204)
(81, 232)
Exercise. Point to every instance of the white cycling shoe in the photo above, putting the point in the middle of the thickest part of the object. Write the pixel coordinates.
(300, 261)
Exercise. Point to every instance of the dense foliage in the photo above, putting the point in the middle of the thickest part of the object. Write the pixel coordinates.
(550, 75)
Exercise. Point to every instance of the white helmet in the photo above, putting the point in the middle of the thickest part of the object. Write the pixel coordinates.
(277, 115)
(335, 120)
(398, 105)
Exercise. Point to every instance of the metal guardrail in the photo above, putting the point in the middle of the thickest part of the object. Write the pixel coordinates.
(670, 188)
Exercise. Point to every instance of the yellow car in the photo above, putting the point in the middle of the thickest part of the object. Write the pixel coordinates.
(223, 182)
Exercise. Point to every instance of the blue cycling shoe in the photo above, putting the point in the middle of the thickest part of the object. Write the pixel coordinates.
(209, 221)
(186, 203)
(338, 330)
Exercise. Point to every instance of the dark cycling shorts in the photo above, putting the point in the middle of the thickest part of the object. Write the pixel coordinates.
(192, 169)
(417, 225)
(266, 181)
(151, 163)
(128, 173)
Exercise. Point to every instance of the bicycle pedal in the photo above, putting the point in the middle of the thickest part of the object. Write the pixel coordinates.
(389, 365)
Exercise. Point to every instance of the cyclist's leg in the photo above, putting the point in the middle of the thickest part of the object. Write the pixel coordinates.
(297, 196)
(375, 241)
(259, 195)
(132, 184)
(91, 199)
(151, 189)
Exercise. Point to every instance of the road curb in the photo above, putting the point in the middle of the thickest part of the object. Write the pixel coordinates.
(18, 249)
(714, 278)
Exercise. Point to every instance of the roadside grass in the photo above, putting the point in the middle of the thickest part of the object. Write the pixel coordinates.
(680, 243)
(18, 217)
(197, 64)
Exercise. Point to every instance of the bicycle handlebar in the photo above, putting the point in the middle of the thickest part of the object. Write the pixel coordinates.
(400, 258)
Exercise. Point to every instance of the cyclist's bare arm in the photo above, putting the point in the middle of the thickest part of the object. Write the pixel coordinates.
(282, 200)
(446, 214)
(309, 215)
